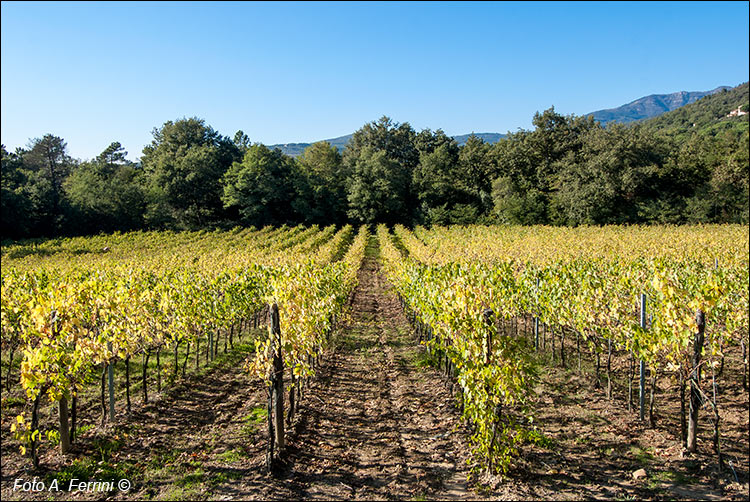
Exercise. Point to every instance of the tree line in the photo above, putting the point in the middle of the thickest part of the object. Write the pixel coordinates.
(567, 170)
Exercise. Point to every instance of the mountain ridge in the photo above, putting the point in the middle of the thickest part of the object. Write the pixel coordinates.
(644, 108)
(651, 106)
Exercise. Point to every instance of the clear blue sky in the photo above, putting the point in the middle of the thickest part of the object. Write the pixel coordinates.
(94, 72)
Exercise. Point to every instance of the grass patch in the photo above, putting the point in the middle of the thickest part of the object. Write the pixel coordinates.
(251, 422)
(372, 250)
(161, 464)
(180, 493)
(89, 469)
(423, 359)
(104, 446)
(167, 458)
(13, 402)
(192, 479)
(231, 357)
(582, 440)
(230, 456)
(643, 456)
(657, 479)
(98, 466)
(83, 429)
(533, 436)
(223, 477)
(628, 497)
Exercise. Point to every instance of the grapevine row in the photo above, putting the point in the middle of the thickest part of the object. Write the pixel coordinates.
(572, 280)
(70, 317)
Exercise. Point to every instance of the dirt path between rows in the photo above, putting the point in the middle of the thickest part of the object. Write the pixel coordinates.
(375, 425)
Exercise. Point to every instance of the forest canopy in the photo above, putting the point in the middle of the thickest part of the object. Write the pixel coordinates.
(686, 166)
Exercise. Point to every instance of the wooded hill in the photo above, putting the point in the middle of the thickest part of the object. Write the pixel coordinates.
(651, 106)
(567, 170)
(709, 116)
(641, 109)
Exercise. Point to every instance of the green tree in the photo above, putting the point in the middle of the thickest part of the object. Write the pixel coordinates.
(47, 164)
(112, 156)
(555, 137)
(378, 189)
(615, 175)
(322, 167)
(183, 167)
(15, 202)
(730, 181)
(516, 191)
(527, 164)
(477, 168)
(427, 141)
(264, 188)
(397, 157)
(105, 194)
(437, 182)
(396, 140)
(717, 170)
(517, 203)
(242, 141)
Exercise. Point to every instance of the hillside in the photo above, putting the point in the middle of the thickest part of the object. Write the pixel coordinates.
(708, 115)
(651, 106)
(644, 108)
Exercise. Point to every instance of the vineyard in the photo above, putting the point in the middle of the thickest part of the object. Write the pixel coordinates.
(652, 320)
(586, 286)
(72, 318)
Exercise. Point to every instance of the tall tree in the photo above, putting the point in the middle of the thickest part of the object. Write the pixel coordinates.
(321, 165)
(47, 163)
(528, 165)
(439, 182)
(378, 189)
(106, 193)
(477, 169)
(263, 188)
(183, 167)
(242, 141)
(396, 158)
(555, 137)
(112, 156)
(15, 202)
(610, 178)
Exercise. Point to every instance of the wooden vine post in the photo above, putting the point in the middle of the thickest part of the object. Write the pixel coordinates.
(64, 428)
(34, 426)
(536, 323)
(695, 397)
(609, 368)
(488, 316)
(111, 382)
(716, 418)
(642, 365)
(62, 408)
(73, 413)
(276, 389)
(744, 361)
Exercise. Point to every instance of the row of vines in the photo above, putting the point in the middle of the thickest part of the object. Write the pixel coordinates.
(586, 282)
(72, 308)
